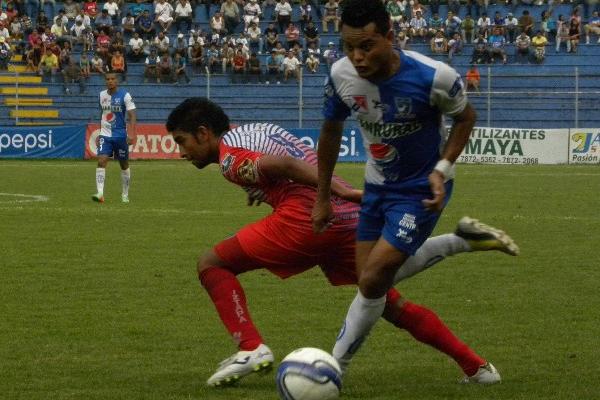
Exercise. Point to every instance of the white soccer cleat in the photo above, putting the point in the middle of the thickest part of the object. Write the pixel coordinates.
(98, 197)
(485, 375)
(241, 364)
(124, 198)
(482, 237)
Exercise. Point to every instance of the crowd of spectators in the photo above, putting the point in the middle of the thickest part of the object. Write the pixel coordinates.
(165, 37)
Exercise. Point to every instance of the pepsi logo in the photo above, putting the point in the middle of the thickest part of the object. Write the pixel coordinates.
(109, 117)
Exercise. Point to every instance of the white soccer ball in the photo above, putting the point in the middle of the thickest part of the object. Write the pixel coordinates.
(309, 374)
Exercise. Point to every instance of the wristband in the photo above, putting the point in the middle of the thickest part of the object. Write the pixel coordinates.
(444, 167)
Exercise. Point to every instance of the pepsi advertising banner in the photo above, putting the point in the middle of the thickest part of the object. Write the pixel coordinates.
(42, 142)
(351, 149)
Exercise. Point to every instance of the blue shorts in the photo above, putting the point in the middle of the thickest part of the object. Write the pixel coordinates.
(109, 146)
(398, 215)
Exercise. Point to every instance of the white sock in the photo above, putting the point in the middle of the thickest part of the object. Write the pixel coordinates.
(434, 250)
(125, 178)
(362, 316)
(100, 175)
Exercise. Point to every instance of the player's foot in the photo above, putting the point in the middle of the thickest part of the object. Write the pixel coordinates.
(485, 375)
(98, 197)
(482, 237)
(124, 198)
(241, 364)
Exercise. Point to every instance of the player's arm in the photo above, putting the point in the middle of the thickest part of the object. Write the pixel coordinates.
(132, 118)
(285, 167)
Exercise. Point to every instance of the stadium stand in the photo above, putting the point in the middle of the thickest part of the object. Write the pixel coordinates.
(511, 95)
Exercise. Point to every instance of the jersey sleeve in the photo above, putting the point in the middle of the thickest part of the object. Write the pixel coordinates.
(448, 91)
(129, 104)
(240, 166)
(334, 108)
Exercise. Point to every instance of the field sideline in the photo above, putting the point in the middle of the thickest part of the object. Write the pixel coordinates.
(102, 301)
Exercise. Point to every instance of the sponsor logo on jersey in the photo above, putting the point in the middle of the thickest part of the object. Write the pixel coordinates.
(227, 162)
(247, 172)
(382, 153)
(110, 117)
(378, 105)
(407, 226)
(456, 87)
(360, 104)
(390, 131)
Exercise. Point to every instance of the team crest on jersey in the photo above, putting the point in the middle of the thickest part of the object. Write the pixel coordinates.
(379, 105)
(360, 104)
(227, 162)
(247, 172)
(403, 107)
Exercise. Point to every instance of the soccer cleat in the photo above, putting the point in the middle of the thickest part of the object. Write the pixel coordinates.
(482, 237)
(485, 375)
(98, 197)
(241, 364)
(124, 198)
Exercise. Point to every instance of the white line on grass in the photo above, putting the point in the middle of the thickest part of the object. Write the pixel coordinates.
(21, 198)
(122, 210)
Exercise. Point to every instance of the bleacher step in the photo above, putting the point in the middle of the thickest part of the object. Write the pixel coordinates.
(31, 91)
(28, 101)
(20, 79)
(39, 123)
(16, 58)
(17, 68)
(32, 113)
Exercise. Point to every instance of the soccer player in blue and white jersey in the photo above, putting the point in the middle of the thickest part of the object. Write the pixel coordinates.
(399, 98)
(117, 106)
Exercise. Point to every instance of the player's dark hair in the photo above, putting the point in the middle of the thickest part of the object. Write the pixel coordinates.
(197, 111)
(358, 13)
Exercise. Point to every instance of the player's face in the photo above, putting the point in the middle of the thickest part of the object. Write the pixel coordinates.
(111, 82)
(199, 148)
(370, 52)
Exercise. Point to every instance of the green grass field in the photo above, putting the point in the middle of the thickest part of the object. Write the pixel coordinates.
(102, 301)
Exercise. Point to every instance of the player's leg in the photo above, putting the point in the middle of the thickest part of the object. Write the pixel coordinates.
(105, 151)
(122, 153)
(426, 327)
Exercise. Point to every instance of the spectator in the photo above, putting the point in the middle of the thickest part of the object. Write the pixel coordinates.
(227, 54)
(137, 9)
(231, 14)
(251, 13)
(48, 64)
(402, 40)
(455, 46)
(196, 56)
(291, 66)
(118, 65)
(146, 26)
(574, 33)
(77, 32)
(497, 43)
(60, 17)
(163, 14)
(435, 24)
(454, 6)
(511, 26)
(117, 43)
(330, 55)
(162, 43)
(85, 19)
(467, 29)
(483, 25)
(283, 11)
(312, 63)
(452, 24)
(97, 64)
(238, 66)
(151, 67)
(179, 69)
(473, 78)
(180, 46)
(88, 40)
(539, 42)
(331, 15)
(90, 8)
(281, 51)
(217, 24)
(72, 73)
(255, 40)
(64, 55)
(128, 24)
(213, 58)
(5, 53)
(253, 68)
(418, 27)
(271, 36)
(41, 21)
(136, 48)
(480, 50)
(165, 68)
(593, 27)
(85, 66)
(311, 35)
(292, 35)
(305, 14)
(439, 44)
(112, 8)
(498, 20)
(194, 38)
(396, 9)
(102, 44)
(404, 25)
(273, 67)
(522, 43)
(183, 14)
(416, 7)
(526, 23)
(314, 49)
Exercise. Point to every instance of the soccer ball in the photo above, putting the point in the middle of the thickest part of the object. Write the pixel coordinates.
(309, 374)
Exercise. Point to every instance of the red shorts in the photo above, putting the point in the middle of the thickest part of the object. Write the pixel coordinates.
(287, 248)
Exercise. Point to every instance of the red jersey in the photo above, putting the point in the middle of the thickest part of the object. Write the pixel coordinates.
(240, 152)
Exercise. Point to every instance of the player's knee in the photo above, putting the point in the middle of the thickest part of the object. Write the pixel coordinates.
(207, 260)
(371, 284)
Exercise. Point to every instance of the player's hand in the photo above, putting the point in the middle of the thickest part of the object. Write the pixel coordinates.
(353, 195)
(436, 182)
(322, 216)
(129, 139)
(253, 201)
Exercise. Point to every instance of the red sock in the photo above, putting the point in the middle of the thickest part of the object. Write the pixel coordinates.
(230, 301)
(425, 326)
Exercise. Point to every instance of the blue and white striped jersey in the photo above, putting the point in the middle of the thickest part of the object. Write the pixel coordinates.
(114, 113)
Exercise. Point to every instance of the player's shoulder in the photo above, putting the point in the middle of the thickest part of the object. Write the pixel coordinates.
(104, 93)
(440, 73)
(343, 69)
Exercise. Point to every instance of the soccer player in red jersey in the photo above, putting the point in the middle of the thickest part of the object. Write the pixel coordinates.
(274, 166)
